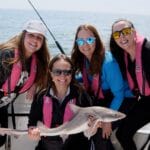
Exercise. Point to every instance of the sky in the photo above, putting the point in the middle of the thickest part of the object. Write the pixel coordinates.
(114, 6)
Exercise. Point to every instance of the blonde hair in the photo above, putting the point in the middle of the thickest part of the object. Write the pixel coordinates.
(43, 57)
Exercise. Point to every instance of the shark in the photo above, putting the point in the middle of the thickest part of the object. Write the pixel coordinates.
(79, 122)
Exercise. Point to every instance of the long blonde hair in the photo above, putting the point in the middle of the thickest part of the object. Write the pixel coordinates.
(43, 57)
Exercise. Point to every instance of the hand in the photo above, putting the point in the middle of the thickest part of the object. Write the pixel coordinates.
(34, 133)
(106, 129)
(93, 124)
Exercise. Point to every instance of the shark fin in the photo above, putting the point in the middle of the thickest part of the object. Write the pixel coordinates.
(64, 137)
(89, 132)
(74, 108)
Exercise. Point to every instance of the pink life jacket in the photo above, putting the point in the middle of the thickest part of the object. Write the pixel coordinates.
(16, 73)
(47, 111)
(95, 83)
(138, 68)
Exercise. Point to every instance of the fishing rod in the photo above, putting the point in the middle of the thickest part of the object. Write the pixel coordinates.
(56, 42)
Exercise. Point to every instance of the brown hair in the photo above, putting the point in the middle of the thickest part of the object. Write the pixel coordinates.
(98, 55)
(67, 59)
(116, 50)
(43, 57)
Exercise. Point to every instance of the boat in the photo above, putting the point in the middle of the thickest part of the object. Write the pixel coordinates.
(21, 110)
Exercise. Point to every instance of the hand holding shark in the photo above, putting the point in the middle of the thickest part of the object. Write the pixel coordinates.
(79, 122)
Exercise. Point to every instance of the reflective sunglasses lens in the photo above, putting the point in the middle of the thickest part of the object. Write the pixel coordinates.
(90, 40)
(116, 35)
(80, 42)
(126, 31)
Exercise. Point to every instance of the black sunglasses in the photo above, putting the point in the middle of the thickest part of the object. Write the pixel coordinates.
(58, 72)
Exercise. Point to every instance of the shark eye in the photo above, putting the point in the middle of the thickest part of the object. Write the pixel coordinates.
(91, 117)
(116, 115)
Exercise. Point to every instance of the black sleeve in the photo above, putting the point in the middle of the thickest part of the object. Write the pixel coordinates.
(3, 117)
(146, 59)
(36, 110)
(5, 67)
(84, 99)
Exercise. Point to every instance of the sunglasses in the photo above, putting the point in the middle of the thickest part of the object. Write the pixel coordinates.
(89, 40)
(125, 31)
(58, 72)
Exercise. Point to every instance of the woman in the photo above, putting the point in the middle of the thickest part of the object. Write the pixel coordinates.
(51, 106)
(23, 59)
(101, 75)
(132, 52)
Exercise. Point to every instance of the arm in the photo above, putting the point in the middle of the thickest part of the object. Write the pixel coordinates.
(113, 80)
(35, 114)
(85, 99)
(5, 67)
(127, 91)
(146, 59)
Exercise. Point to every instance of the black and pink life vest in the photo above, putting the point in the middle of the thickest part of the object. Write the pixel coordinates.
(48, 109)
(95, 83)
(16, 74)
(138, 69)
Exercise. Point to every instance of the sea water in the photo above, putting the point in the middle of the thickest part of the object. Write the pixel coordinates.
(63, 25)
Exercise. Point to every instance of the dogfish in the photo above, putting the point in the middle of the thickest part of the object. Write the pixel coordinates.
(79, 122)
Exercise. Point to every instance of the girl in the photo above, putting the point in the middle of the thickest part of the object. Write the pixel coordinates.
(100, 75)
(52, 106)
(132, 52)
(23, 59)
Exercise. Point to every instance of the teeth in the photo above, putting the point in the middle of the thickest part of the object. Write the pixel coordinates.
(62, 80)
(32, 46)
(124, 42)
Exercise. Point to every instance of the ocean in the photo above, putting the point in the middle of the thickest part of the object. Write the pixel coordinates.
(63, 25)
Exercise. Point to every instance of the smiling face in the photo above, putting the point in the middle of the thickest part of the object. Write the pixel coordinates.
(126, 39)
(86, 49)
(32, 43)
(61, 74)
